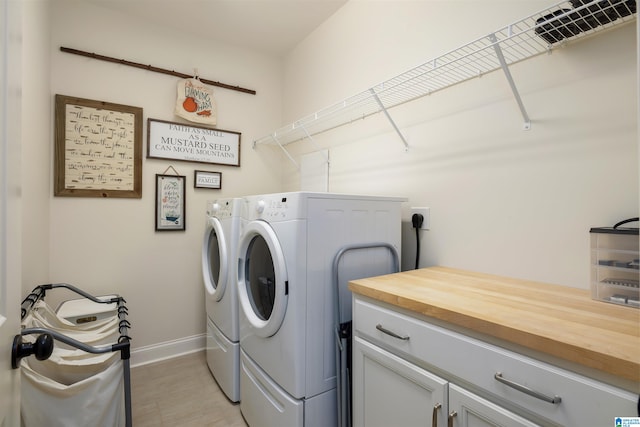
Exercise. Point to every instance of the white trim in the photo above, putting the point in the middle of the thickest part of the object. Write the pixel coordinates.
(167, 350)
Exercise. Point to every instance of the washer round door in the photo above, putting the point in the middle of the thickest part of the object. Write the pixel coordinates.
(214, 259)
(262, 279)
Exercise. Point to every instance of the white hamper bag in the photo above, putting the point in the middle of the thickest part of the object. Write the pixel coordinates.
(98, 333)
(73, 389)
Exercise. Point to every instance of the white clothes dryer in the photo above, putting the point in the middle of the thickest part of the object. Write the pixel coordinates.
(219, 271)
(287, 297)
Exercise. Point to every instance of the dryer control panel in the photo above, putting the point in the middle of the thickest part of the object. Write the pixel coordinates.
(276, 208)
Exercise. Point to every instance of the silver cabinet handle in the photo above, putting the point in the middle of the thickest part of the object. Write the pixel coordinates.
(450, 418)
(391, 333)
(555, 399)
(434, 417)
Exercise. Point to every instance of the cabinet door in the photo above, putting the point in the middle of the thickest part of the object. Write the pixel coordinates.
(390, 391)
(470, 410)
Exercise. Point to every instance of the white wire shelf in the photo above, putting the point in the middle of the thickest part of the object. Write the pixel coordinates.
(538, 33)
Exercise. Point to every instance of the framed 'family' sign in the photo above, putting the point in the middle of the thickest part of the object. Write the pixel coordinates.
(98, 149)
(204, 179)
(177, 141)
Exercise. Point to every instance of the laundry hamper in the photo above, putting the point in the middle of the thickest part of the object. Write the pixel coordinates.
(84, 381)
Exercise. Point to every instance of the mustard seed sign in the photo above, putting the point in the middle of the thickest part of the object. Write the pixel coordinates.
(177, 141)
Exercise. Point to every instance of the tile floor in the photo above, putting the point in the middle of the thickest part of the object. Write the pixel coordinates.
(180, 392)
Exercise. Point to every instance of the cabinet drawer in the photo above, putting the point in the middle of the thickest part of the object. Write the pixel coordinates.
(472, 362)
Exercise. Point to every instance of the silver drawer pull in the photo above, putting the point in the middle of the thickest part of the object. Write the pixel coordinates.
(450, 418)
(391, 333)
(555, 399)
(434, 416)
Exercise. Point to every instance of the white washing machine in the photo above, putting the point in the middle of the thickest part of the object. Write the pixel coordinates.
(286, 295)
(219, 271)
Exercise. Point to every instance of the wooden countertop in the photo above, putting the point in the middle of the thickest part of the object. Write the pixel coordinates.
(557, 320)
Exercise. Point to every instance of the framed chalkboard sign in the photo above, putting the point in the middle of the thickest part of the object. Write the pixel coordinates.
(98, 149)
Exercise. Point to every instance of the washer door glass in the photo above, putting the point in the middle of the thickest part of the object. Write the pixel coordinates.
(262, 279)
(214, 259)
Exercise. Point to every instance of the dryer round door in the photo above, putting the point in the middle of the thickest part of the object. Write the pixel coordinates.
(262, 278)
(215, 259)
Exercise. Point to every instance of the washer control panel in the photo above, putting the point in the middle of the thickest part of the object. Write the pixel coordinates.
(221, 209)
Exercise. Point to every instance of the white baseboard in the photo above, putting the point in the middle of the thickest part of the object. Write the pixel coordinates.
(167, 350)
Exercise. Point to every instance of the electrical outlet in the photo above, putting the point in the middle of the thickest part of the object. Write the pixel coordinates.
(426, 223)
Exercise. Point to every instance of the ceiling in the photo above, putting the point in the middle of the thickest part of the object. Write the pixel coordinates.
(269, 26)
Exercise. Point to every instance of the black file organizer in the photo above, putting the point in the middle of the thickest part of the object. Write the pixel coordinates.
(122, 345)
(585, 15)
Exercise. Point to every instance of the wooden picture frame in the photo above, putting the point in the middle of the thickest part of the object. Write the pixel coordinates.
(98, 149)
(206, 179)
(170, 202)
(186, 142)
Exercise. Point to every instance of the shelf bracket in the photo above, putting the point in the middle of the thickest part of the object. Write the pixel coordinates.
(277, 141)
(313, 141)
(507, 73)
(386, 113)
(275, 138)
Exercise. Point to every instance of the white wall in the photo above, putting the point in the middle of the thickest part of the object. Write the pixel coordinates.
(109, 245)
(503, 200)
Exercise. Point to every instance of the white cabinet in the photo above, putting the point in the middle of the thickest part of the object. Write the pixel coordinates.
(404, 366)
(469, 410)
(395, 392)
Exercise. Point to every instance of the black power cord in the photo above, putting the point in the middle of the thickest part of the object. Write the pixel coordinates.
(417, 220)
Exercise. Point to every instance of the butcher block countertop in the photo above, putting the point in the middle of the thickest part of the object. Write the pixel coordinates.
(557, 320)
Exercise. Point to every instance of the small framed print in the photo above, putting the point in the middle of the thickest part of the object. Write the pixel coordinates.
(204, 179)
(170, 203)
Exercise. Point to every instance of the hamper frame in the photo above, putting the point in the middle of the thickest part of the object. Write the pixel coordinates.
(122, 345)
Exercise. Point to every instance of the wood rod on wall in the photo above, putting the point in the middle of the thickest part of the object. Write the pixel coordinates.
(154, 69)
